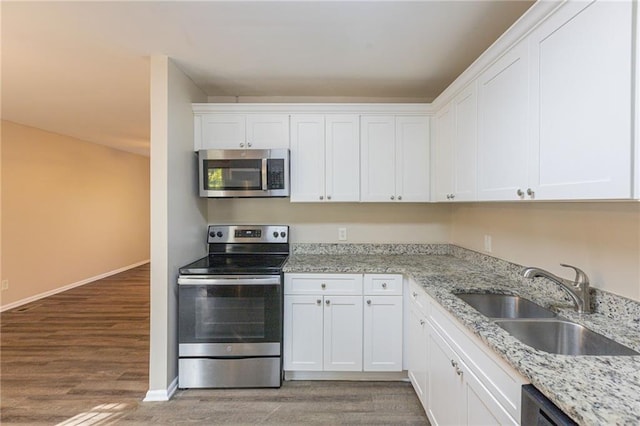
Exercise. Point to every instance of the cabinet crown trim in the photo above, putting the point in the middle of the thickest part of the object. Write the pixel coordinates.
(332, 108)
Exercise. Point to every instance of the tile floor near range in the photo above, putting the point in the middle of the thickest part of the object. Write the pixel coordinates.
(82, 357)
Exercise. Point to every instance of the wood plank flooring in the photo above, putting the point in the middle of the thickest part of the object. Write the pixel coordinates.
(81, 358)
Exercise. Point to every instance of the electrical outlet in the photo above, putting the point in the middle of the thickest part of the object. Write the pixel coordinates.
(342, 234)
(487, 243)
(5, 285)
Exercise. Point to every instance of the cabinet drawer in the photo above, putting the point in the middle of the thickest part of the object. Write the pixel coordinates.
(323, 284)
(383, 284)
(418, 298)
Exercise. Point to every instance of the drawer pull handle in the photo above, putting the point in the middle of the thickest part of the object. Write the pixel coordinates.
(421, 322)
(368, 302)
(459, 371)
(319, 302)
(327, 302)
(384, 285)
(453, 363)
(323, 285)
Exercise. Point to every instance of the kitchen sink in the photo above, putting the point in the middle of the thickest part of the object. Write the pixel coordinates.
(495, 305)
(563, 337)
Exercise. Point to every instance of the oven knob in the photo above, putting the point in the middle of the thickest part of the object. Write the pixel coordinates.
(283, 234)
(219, 234)
(212, 234)
(275, 235)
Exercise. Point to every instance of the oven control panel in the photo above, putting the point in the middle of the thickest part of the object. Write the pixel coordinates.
(248, 234)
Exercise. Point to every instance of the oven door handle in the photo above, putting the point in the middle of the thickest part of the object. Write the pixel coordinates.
(239, 280)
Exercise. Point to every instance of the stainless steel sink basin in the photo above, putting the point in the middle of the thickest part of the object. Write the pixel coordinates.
(495, 305)
(563, 337)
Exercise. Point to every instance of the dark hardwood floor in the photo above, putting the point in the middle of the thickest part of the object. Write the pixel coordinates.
(81, 358)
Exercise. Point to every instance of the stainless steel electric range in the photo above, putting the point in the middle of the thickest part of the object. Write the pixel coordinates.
(230, 309)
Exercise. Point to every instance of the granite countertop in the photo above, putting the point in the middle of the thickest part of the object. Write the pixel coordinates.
(593, 390)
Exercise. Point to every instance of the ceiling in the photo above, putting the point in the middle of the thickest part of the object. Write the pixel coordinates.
(82, 68)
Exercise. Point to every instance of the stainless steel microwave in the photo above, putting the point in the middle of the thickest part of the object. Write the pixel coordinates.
(244, 172)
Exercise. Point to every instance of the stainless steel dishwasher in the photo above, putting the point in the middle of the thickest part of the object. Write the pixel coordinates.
(537, 410)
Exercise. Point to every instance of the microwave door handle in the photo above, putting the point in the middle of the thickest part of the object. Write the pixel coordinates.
(264, 174)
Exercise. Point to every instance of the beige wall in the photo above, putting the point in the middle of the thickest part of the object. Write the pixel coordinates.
(603, 239)
(71, 210)
(319, 222)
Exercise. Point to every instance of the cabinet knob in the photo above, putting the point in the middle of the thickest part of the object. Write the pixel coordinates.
(520, 193)
(393, 198)
(384, 285)
(328, 197)
(249, 144)
(422, 322)
(453, 363)
(415, 295)
(530, 192)
(323, 285)
(327, 302)
(368, 302)
(241, 144)
(459, 371)
(399, 197)
(453, 196)
(319, 302)
(322, 197)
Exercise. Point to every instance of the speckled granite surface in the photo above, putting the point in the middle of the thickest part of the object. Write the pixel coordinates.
(593, 390)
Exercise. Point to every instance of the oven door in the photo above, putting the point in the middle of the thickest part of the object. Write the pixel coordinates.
(230, 316)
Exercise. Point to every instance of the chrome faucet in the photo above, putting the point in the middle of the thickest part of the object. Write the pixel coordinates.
(578, 289)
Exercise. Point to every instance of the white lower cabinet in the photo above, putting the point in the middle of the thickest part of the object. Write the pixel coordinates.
(458, 380)
(330, 326)
(342, 333)
(418, 356)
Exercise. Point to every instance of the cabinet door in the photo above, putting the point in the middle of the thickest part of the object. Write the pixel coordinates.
(412, 158)
(223, 131)
(378, 158)
(465, 144)
(382, 333)
(418, 356)
(303, 333)
(481, 407)
(581, 103)
(446, 405)
(503, 110)
(307, 158)
(266, 131)
(342, 158)
(343, 333)
(443, 167)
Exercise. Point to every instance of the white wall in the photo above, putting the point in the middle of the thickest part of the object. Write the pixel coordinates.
(319, 222)
(603, 239)
(178, 215)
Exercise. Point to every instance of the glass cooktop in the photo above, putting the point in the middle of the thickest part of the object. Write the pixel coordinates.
(220, 264)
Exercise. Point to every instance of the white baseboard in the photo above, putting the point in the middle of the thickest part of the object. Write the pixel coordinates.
(161, 395)
(395, 376)
(69, 287)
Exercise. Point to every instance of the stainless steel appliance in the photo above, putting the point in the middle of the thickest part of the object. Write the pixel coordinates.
(230, 309)
(538, 410)
(244, 172)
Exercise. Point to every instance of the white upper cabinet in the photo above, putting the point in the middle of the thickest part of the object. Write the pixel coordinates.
(443, 162)
(465, 144)
(455, 148)
(503, 117)
(394, 158)
(241, 131)
(325, 158)
(412, 158)
(581, 102)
